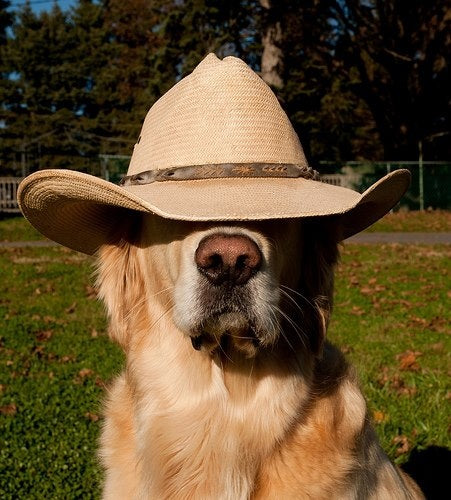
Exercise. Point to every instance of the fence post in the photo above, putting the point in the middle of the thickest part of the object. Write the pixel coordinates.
(420, 173)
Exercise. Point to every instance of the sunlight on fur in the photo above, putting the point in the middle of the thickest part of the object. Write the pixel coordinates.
(232, 391)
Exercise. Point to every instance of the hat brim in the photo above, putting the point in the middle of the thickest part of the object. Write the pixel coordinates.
(79, 211)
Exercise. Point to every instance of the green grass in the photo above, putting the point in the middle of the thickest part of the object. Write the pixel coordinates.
(429, 221)
(55, 359)
(18, 229)
(392, 317)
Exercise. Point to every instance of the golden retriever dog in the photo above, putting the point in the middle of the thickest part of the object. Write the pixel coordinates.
(231, 390)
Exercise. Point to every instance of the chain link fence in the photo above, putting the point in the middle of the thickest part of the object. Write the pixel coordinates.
(430, 187)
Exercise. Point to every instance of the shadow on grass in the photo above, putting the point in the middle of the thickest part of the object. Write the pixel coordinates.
(430, 468)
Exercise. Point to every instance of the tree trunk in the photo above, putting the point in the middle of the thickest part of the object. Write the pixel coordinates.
(272, 56)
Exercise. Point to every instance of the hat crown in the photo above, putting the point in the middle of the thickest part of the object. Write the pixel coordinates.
(222, 112)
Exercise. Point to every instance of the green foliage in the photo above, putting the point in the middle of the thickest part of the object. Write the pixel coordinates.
(360, 79)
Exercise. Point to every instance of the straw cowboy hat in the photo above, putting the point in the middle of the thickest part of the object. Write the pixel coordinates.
(216, 147)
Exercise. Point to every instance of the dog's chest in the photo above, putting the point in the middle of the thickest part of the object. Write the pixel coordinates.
(213, 438)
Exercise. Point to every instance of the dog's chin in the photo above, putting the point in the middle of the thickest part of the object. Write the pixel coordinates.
(227, 331)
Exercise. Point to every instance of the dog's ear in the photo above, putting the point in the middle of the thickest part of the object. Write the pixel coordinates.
(119, 279)
(320, 256)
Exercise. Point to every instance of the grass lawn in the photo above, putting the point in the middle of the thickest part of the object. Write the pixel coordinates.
(391, 316)
(427, 222)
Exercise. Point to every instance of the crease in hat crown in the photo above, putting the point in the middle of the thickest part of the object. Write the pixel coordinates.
(222, 112)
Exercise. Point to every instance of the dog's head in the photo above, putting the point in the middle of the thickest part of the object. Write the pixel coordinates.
(241, 286)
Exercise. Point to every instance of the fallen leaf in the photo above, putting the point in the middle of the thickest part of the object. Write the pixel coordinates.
(100, 383)
(71, 308)
(408, 360)
(400, 387)
(395, 383)
(91, 292)
(44, 335)
(438, 347)
(416, 321)
(92, 416)
(379, 417)
(38, 350)
(85, 372)
(9, 410)
(357, 311)
(94, 333)
(402, 444)
(82, 375)
(346, 349)
(353, 280)
(384, 376)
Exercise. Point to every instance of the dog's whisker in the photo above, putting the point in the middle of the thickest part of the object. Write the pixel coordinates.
(225, 354)
(136, 306)
(166, 312)
(297, 329)
(303, 297)
(274, 324)
(143, 300)
(162, 291)
(282, 313)
(240, 337)
(251, 370)
(287, 295)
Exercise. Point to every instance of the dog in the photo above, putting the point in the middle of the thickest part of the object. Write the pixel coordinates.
(231, 389)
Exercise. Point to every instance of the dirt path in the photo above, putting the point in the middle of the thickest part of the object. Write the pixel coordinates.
(24, 244)
(404, 238)
(368, 238)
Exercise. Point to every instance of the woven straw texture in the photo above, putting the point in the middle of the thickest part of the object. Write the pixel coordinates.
(221, 113)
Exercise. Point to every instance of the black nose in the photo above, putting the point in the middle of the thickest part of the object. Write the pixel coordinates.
(228, 258)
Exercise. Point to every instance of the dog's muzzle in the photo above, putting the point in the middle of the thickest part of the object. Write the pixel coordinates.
(227, 262)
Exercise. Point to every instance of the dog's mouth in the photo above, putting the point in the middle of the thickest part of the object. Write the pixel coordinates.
(227, 330)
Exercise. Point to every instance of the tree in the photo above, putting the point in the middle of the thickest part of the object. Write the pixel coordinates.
(358, 78)
(272, 60)
(190, 29)
(396, 54)
(6, 20)
(296, 61)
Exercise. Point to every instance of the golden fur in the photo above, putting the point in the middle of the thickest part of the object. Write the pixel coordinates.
(277, 418)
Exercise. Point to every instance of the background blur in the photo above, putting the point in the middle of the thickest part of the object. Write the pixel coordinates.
(365, 82)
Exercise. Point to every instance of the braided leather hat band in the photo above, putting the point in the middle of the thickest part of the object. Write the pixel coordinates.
(221, 171)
